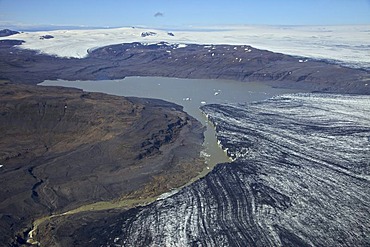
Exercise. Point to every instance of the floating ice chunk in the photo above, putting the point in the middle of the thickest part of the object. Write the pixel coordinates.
(204, 154)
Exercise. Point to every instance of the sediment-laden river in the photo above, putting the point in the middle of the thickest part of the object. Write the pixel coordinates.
(190, 93)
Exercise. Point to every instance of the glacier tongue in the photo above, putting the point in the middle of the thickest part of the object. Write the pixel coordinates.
(300, 178)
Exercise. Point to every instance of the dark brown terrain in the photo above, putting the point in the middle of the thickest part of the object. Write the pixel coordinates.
(242, 63)
(62, 148)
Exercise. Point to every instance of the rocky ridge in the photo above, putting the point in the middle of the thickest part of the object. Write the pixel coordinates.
(242, 63)
(63, 148)
(7, 32)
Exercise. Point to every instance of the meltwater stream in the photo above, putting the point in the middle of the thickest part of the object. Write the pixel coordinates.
(190, 93)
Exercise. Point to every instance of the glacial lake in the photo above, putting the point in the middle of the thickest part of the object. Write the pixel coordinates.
(190, 93)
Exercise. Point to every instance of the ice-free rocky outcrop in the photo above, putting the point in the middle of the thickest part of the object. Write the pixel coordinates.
(7, 32)
(300, 178)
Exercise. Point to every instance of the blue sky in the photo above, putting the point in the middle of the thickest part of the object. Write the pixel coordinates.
(174, 13)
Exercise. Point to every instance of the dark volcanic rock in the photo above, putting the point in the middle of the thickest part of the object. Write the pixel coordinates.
(242, 63)
(7, 32)
(300, 178)
(145, 34)
(47, 36)
(62, 148)
(8, 43)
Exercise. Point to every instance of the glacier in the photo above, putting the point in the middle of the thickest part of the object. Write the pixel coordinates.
(300, 177)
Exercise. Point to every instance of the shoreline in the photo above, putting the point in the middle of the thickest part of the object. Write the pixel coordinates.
(227, 62)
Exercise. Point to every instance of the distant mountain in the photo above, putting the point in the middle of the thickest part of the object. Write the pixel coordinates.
(7, 32)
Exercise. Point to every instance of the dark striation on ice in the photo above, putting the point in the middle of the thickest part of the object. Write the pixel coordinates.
(300, 177)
